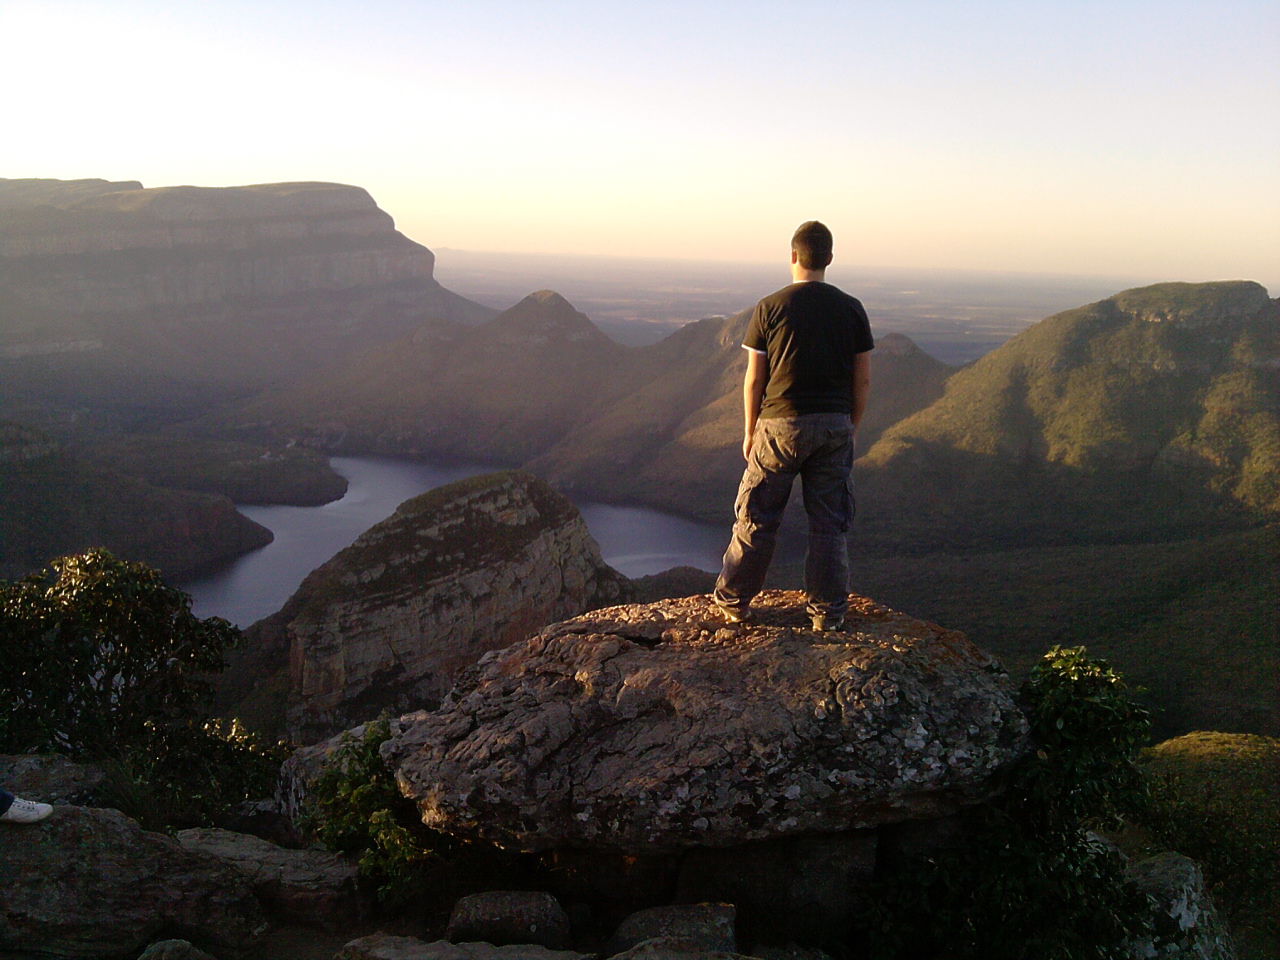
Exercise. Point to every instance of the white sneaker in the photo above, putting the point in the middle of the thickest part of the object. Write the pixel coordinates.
(26, 811)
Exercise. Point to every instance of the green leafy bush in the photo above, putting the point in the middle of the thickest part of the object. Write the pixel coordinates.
(102, 660)
(1028, 881)
(94, 649)
(355, 807)
(188, 773)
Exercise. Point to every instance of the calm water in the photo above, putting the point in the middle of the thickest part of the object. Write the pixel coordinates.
(634, 540)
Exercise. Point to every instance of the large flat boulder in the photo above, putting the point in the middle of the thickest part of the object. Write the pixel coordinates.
(92, 883)
(657, 727)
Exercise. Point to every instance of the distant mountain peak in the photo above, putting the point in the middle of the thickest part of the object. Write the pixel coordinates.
(544, 316)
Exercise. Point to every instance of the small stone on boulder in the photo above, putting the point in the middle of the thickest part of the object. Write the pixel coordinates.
(174, 950)
(505, 917)
(673, 948)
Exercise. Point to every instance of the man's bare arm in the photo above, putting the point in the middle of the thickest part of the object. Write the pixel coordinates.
(861, 386)
(752, 396)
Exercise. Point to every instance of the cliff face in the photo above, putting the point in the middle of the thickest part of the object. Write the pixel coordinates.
(130, 248)
(456, 572)
(105, 284)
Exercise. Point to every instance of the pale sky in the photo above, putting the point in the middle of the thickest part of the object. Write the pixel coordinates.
(1126, 138)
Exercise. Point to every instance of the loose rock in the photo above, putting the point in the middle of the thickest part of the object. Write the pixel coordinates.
(382, 946)
(505, 917)
(1186, 923)
(699, 927)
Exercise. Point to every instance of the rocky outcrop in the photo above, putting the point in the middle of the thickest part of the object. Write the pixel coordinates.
(50, 778)
(383, 946)
(1186, 924)
(461, 570)
(658, 728)
(92, 883)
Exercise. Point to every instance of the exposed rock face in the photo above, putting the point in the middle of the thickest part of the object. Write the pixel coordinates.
(1186, 921)
(127, 248)
(115, 291)
(652, 728)
(456, 572)
(50, 778)
(92, 883)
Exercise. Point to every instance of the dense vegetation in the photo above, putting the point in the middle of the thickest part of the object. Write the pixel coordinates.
(245, 472)
(355, 807)
(101, 660)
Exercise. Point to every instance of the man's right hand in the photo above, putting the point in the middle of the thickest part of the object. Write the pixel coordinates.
(746, 446)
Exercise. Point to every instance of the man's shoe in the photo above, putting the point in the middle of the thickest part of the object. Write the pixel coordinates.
(25, 811)
(824, 623)
(736, 614)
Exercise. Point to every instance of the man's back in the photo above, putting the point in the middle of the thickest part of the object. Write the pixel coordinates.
(810, 332)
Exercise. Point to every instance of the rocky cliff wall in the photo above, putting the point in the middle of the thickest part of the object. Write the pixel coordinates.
(454, 573)
(127, 248)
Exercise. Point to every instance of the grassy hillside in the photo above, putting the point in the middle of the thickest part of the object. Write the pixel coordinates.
(1219, 800)
(1153, 414)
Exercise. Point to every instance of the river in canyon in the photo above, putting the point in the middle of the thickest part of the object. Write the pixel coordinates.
(634, 540)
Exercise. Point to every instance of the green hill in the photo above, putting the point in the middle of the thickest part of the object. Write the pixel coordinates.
(1152, 414)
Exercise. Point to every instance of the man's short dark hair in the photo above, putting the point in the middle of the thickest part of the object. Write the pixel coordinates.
(812, 244)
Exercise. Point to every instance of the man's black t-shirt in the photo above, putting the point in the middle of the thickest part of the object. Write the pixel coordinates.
(810, 333)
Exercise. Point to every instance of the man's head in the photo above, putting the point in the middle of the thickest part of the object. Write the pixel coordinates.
(811, 245)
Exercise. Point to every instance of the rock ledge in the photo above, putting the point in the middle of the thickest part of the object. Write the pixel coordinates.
(657, 727)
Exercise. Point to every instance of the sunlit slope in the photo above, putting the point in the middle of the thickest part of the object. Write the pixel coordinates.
(1152, 413)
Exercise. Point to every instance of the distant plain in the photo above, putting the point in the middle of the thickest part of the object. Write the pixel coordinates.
(956, 316)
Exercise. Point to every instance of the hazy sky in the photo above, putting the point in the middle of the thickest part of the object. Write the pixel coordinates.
(1134, 138)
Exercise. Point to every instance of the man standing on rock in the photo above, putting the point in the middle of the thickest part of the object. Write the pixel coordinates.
(808, 376)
